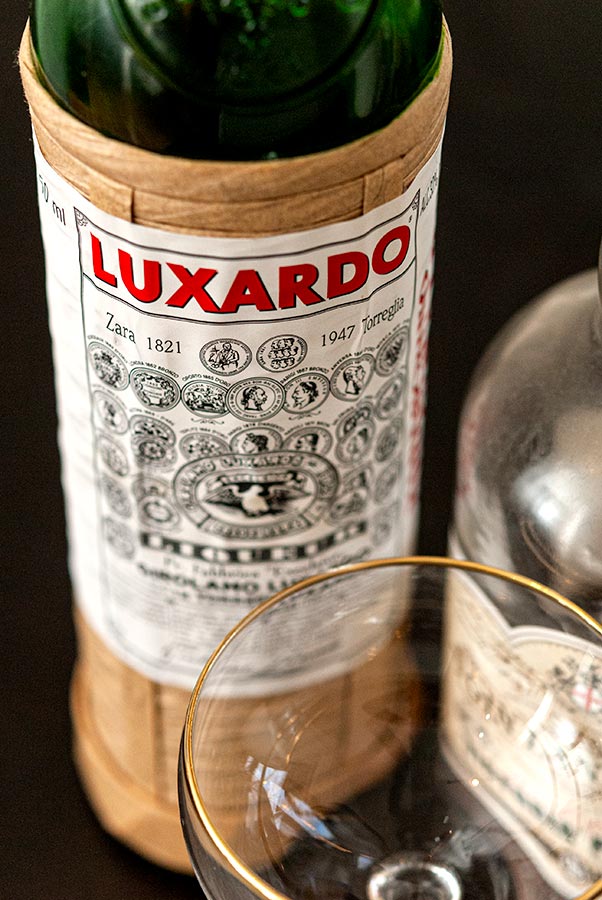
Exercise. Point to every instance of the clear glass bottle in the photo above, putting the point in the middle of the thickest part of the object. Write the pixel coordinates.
(529, 498)
(529, 491)
(242, 79)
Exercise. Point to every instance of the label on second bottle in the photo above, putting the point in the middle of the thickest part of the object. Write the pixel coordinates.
(235, 414)
(522, 718)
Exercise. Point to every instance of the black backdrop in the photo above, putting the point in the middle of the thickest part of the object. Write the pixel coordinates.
(520, 207)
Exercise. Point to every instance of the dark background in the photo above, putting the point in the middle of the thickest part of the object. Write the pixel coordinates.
(520, 208)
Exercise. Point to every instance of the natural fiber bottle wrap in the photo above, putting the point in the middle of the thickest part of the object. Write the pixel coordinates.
(240, 354)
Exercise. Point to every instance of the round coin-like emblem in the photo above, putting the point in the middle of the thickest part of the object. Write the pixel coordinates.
(282, 353)
(354, 419)
(352, 376)
(390, 399)
(392, 351)
(116, 496)
(108, 366)
(255, 399)
(388, 441)
(255, 439)
(119, 538)
(256, 497)
(387, 481)
(157, 512)
(310, 439)
(112, 455)
(153, 389)
(202, 443)
(150, 486)
(153, 452)
(147, 427)
(225, 357)
(109, 412)
(204, 398)
(355, 445)
(306, 392)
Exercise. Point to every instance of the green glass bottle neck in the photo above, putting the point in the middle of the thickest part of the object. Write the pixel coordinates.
(238, 79)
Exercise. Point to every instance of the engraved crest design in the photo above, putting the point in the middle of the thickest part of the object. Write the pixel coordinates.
(152, 451)
(393, 351)
(282, 353)
(119, 538)
(108, 366)
(352, 376)
(353, 447)
(386, 481)
(354, 495)
(112, 455)
(116, 496)
(154, 504)
(390, 399)
(355, 433)
(255, 439)
(255, 399)
(204, 398)
(152, 442)
(225, 357)
(154, 389)
(110, 412)
(147, 427)
(195, 444)
(310, 439)
(256, 497)
(306, 392)
(388, 440)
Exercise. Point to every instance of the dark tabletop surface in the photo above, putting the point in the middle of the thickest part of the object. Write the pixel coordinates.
(520, 208)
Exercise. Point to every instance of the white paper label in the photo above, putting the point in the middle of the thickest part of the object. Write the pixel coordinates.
(522, 719)
(235, 414)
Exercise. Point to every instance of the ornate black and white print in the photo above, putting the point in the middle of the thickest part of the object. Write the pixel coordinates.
(155, 506)
(305, 392)
(352, 376)
(255, 439)
(354, 495)
(356, 444)
(148, 427)
(256, 497)
(354, 419)
(282, 353)
(195, 444)
(225, 357)
(116, 496)
(119, 538)
(154, 389)
(388, 440)
(109, 412)
(112, 455)
(151, 451)
(255, 399)
(310, 439)
(393, 351)
(390, 400)
(204, 398)
(386, 481)
(108, 366)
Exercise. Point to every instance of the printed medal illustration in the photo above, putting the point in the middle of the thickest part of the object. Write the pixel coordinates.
(240, 282)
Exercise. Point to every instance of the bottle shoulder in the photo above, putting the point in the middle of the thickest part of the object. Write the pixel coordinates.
(529, 493)
(240, 80)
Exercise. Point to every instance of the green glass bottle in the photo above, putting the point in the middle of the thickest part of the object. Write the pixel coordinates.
(240, 325)
(236, 79)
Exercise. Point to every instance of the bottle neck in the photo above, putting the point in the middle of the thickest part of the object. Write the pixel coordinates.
(251, 79)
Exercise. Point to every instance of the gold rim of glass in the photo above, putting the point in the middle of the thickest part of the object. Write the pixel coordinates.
(246, 875)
